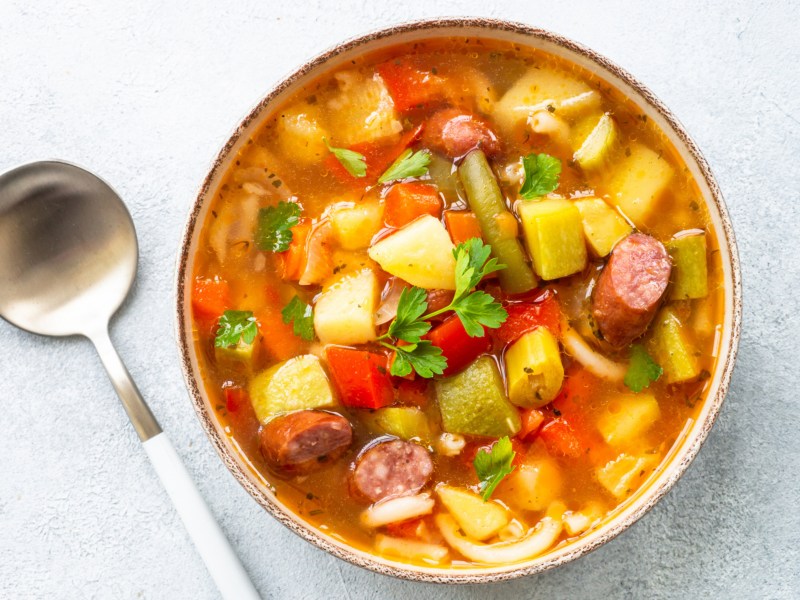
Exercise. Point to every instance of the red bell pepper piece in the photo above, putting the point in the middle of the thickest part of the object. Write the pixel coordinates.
(407, 201)
(411, 86)
(241, 416)
(361, 377)
(210, 297)
(523, 317)
(457, 346)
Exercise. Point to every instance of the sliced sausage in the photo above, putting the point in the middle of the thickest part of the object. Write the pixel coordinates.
(305, 440)
(630, 288)
(392, 469)
(454, 133)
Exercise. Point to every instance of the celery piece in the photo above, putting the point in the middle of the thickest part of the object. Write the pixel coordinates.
(671, 348)
(241, 352)
(598, 144)
(296, 384)
(534, 369)
(689, 267)
(473, 402)
(486, 201)
(602, 225)
(554, 233)
(405, 422)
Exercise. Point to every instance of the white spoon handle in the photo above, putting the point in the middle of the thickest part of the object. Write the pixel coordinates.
(221, 560)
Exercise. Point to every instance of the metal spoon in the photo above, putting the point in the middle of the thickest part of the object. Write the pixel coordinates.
(68, 257)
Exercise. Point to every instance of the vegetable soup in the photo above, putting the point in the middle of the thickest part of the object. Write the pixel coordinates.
(455, 301)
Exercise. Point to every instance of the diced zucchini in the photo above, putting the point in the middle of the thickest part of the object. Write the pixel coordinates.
(554, 234)
(638, 182)
(602, 225)
(354, 225)
(405, 422)
(488, 204)
(689, 267)
(671, 348)
(300, 133)
(445, 177)
(420, 253)
(624, 474)
(296, 384)
(363, 109)
(241, 353)
(478, 519)
(474, 402)
(345, 312)
(533, 485)
(627, 417)
(595, 149)
(534, 369)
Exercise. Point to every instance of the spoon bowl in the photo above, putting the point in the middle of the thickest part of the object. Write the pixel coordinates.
(68, 249)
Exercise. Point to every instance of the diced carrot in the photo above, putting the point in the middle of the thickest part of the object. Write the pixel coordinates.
(411, 392)
(462, 225)
(532, 419)
(278, 337)
(407, 201)
(523, 317)
(361, 377)
(294, 259)
(457, 346)
(411, 86)
(210, 297)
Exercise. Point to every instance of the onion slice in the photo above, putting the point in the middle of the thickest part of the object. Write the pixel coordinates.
(398, 509)
(595, 363)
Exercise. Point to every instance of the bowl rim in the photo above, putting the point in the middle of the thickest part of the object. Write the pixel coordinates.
(647, 495)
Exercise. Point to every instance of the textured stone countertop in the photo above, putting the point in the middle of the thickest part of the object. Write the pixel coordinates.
(145, 93)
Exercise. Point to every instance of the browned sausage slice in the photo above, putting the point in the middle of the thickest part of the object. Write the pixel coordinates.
(630, 288)
(392, 469)
(304, 440)
(454, 133)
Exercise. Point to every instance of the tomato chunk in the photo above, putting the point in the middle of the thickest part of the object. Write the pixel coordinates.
(462, 225)
(412, 392)
(410, 86)
(361, 377)
(457, 346)
(210, 297)
(562, 439)
(293, 260)
(532, 419)
(523, 317)
(241, 415)
(407, 201)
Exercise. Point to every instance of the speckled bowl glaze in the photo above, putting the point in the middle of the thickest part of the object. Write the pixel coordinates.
(693, 435)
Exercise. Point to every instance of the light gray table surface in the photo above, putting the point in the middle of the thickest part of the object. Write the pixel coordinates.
(145, 93)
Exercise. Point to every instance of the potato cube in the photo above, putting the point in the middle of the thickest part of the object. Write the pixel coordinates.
(354, 225)
(420, 253)
(638, 182)
(602, 225)
(345, 312)
(627, 417)
(478, 519)
(300, 133)
(554, 234)
(533, 485)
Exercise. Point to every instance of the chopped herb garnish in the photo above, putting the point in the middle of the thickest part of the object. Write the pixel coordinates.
(352, 161)
(301, 315)
(541, 175)
(492, 466)
(274, 232)
(235, 326)
(642, 369)
(408, 164)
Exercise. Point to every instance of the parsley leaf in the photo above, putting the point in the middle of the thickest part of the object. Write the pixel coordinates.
(274, 232)
(423, 357)
(477, 310)
(642, 369)
(352, 161)
(301, 315)
(407, 325)
(471, 265)
(491, 467)
(408, 164)
(541, 175)
(236, 325)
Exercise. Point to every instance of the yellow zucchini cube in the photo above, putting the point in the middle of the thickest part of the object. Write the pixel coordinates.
(345, 312)
(624, 474)
(354, 225)
(534, 369)
(672, 349)
(296, 384)
(628, 417)
(405, 422)
(554, 233)
(638, 182)
(602, 225)
(420, 253)
(478, 519)
(689, 267)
